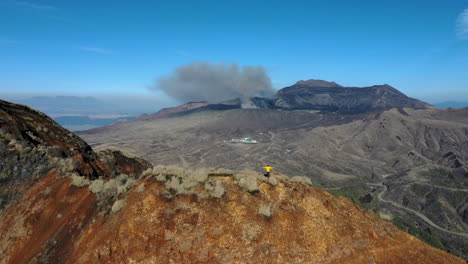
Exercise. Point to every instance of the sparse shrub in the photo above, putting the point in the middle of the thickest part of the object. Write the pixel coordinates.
(273, 180)
(79, 181)
(118, 205)
(301, 179)
(220, 172)
(185, 245)
(141, 188)
(106, 192)
(174, 171)
(218, 190)
(200, 175)
(189, 182)
(147, 173)
(130, 184)
(251, 232)
(26, 150)
(175, 185)
(46, 192)
(96, 186)
(168, 195)
(264, 211)
(67, 165)
(385, 216)
(12, 142)
(178, 180)
(121, 179)
(168, 235)
(281, 177)
(161, 178)
(123, 183)
(110, 190)
(249, 183)
(162, 174)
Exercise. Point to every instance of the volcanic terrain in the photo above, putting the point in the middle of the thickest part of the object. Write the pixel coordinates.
(402, 158)
(64, 203)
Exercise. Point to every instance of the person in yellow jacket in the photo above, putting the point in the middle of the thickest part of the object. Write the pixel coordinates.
(267, 170)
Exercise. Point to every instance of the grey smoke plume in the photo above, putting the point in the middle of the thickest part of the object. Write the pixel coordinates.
(214, 83)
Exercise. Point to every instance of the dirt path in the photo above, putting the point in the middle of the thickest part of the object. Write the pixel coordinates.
(423, 217)
(443, 187)
(271, 139)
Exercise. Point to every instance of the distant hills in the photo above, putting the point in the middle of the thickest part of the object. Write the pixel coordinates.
(453, 104)
(61, 105)
(80, 113)
(79, 123)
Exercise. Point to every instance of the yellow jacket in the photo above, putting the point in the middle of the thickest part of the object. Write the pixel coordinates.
(268, 168)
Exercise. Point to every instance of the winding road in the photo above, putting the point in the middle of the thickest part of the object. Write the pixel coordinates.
(423, 217)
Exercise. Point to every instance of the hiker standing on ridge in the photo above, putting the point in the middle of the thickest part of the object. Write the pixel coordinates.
(267, 171)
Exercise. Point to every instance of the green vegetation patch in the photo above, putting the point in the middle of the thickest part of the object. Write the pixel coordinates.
(442, 177)
(353, 193)
(425, 235)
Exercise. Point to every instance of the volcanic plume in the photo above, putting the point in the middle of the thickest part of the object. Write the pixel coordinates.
(205, 81)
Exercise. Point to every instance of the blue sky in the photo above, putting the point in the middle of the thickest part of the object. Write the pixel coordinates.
(121, 47)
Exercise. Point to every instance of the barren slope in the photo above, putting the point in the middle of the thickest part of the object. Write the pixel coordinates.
(333, 150)
(295, 142)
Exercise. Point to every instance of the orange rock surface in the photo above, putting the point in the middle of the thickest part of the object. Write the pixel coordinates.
(55, 222)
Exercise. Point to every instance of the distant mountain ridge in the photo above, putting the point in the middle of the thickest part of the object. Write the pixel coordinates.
(319, 95)
(448, 104)
(166, 112)
(317, 83)
(66, 104)
(332, 97)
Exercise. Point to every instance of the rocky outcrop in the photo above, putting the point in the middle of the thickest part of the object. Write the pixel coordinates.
(32, 145)
(119, 162)
(30, 138)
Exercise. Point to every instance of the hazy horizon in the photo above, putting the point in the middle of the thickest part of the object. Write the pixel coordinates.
(86, 48)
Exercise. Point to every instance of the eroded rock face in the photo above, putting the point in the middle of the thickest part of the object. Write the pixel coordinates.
(119, 162)
(33, 138)
(32, 145)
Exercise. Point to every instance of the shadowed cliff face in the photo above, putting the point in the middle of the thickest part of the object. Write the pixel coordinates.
(24, 129)
(132, 212)
(26, 133)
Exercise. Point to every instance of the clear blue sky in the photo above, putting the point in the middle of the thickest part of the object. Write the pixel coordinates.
(121, 47)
